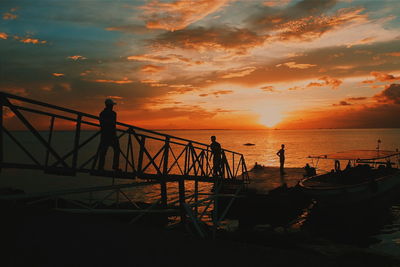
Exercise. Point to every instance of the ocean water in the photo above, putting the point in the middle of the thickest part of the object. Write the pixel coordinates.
(299, 144)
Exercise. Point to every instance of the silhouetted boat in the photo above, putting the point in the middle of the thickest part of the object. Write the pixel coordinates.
(369, 175)
(249, 144)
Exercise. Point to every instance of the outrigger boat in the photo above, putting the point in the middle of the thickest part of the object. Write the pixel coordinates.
(369, 175)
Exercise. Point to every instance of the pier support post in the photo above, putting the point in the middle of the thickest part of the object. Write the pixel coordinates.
(163, 183)
(141, 153)
(182, 199)
(196, 196)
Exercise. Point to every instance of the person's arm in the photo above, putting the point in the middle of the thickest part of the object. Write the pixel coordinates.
(101, 120)
(115, 119)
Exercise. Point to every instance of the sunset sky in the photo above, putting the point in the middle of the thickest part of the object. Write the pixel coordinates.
(202, 64)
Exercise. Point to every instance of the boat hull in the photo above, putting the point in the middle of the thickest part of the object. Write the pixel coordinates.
(350, 195)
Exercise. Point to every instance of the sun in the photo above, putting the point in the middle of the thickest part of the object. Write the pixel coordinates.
(271, 119)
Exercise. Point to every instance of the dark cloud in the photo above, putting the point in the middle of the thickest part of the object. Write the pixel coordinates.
(342, 103)
(268, 88)
(391, 94)
(357, 98)
(267, 17)
(306, 20)
(216, 38)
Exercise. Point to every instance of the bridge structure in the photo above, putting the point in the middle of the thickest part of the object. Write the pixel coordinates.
(55, 140)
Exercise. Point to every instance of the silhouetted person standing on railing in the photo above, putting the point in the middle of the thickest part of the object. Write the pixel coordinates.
(281, 155)
(108, 121)
(217, 156)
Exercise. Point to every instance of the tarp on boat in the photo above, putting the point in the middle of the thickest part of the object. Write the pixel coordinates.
(358, 155)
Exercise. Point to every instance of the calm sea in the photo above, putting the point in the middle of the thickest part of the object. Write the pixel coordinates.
(299, 145)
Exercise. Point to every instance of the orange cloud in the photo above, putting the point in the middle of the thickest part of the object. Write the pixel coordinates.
(123, 81)
(77, 57)
(152, 68)
(381, 77)
(154, 83)
(393, 54)
(55, 74)
(274, 3)
(218, 93)
(305, 20)
(178, 14)
(327, 81)
(3, 35)
(295, 88)
(30, 40)
(9, 16)
(239, 73)
(367, 40)
(169, 58)
(312, 27)
(294, 65)
(115, 97)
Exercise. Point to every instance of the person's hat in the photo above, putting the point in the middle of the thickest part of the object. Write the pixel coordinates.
(109, 101)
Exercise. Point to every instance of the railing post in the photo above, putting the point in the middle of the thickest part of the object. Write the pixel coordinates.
(181, 184)
(49, 140)
(163, 179)
(141, 154)
(76, 141)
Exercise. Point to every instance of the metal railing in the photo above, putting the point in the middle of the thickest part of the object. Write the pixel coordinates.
(145, 154)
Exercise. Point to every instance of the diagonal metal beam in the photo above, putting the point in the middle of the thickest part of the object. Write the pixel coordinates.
(176, 161)
(35, 132)
(79, 147)
(21, 146)
(152, 159)
(143, 149)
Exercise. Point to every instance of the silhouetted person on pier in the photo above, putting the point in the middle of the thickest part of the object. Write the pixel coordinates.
(217, 156)
(281, 155)
(108, 120)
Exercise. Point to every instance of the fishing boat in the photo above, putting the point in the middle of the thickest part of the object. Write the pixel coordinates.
(368, 176)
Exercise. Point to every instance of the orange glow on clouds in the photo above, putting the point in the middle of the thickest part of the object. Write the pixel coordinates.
(211, 63)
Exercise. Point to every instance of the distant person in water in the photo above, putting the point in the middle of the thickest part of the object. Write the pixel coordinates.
(281, 155)
(108, 121)
(217, 154)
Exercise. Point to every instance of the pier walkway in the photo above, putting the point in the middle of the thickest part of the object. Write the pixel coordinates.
(40, 136)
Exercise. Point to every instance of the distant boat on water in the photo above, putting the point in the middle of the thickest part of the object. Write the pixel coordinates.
(249, 144)
(369, 175)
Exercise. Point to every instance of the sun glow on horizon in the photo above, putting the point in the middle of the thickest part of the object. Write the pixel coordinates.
(270, 120)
